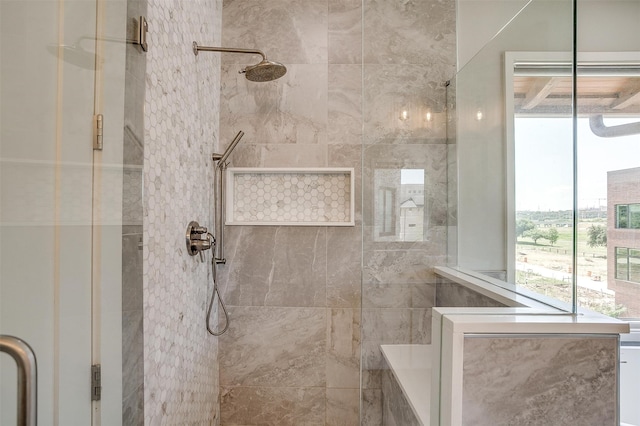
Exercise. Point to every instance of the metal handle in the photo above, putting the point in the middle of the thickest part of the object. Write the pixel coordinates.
(25, 359)
(195, 243)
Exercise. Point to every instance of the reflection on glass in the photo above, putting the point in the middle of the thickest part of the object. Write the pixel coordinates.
(399, 205)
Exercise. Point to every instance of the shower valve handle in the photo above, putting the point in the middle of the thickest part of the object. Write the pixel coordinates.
(199, 230)
(195, 243)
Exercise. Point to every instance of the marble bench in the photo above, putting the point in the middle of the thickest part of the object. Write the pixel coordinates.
(406, 385)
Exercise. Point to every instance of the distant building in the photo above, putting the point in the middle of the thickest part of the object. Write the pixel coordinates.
(623, 238)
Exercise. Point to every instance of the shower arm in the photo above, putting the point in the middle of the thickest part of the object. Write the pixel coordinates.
(197, 48)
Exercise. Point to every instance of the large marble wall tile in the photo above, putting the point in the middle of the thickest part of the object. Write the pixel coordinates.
(275, 266)
(409, 32)
(345, 31)
(340, 155)
(372, 379)
(395, 326)
(132, 264)
(386, 325)
(345, 104)
(383, 295)
(400, 266)
(343, 407)
(292, 109)
(272, 406)
(396, 409)
(343, 348)
(371, 414)
(388, 90)
(420, 326)
(450, 294)
(132, 368)
(344, 267)
(538, 381)
(274, 347)
(298, 155)
(287, 31)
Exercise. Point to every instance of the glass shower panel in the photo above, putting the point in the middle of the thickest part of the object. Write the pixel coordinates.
(608, 152)
(61, 203)
(47, 84)
(408, 54)
(513, 146)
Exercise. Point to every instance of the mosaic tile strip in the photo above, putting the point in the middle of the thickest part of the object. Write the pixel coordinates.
(312, 197)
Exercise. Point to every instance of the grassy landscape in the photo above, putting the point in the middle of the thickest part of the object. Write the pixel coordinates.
(591, 263)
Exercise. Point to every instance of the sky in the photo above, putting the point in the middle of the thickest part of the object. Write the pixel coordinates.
(544, 162)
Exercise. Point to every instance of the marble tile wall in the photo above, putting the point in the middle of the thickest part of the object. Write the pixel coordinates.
(453, 295)
(396, 410)
(181, 129)
(534, 381)
(292, 353)
(338, 103)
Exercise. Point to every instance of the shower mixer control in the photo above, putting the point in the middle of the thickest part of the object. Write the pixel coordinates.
(198, 239)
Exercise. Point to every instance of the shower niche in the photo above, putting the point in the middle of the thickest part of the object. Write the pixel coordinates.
(292, 196)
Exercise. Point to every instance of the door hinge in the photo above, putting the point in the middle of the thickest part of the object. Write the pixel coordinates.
(96, 379)
(99, 126)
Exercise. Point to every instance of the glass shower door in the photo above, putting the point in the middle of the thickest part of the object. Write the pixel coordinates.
(47, 206)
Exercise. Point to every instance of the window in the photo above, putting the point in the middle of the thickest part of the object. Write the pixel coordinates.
(628, 264)
(622, 263)
(628, 216)
(622, 216)
(387, 198)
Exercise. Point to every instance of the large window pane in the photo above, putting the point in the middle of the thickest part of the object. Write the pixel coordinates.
(634, 216)
(622, 216)
(634, 266)
(622, 263)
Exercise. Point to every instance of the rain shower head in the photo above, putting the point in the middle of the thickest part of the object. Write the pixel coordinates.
(266, 70)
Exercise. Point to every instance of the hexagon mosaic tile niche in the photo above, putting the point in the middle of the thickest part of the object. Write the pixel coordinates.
(290, 198)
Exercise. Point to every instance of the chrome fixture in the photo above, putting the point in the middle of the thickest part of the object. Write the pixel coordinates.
(214, 271)
(25, 359)
(219, 182)
(195, 243)
(265, 70)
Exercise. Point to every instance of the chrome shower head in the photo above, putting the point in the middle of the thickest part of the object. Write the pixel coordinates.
(264, 71)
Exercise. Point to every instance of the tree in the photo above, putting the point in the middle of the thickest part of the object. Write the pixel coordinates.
(522, 226)
(552, 235)
(535, 234)
(597, 236)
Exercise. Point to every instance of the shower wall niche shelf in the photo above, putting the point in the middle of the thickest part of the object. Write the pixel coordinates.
(290, 196)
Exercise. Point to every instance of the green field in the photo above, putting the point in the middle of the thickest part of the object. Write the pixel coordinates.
(591, 266)
(564, 245)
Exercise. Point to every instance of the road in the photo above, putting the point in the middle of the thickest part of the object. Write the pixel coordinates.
(583, 281)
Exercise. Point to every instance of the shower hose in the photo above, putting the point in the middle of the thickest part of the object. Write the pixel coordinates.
(214, 271)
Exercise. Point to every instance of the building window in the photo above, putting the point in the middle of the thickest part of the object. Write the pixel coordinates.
(628, 264)
(628, 216)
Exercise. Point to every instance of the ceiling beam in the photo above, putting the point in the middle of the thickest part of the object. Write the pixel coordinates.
(539, 91)
(626, 99)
